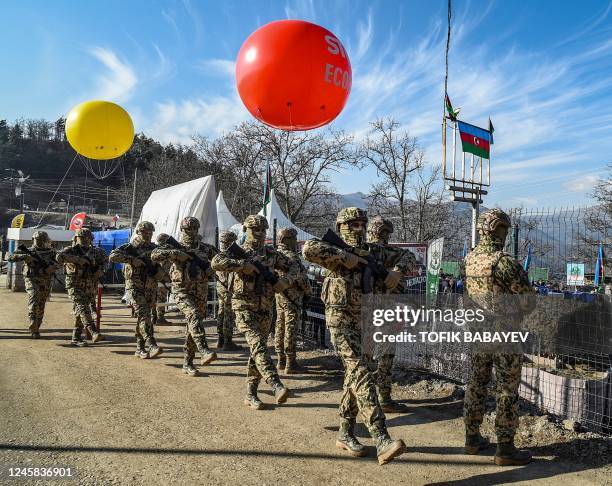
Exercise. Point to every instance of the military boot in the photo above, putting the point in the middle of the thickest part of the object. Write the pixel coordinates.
(508, 455)
(95, 335)
(154, 349)
(292, 367)
(346, 439)
(282, 362)
(33, 327)
(230, 345)
(389, 405)
(188, 367)
(35, 335)
(475, 443)
(77, 340)
(208, 356)
(386, 448)
(220, 341)
(280, 391)
(251, 398)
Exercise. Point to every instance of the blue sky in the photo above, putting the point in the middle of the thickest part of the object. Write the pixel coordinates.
(542, 70)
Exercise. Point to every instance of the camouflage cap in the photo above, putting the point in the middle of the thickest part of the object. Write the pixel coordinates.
(378, 224)
(145, 226)
(255, 221)
(490, 220)
(351, 214)
(286, 233)
(227, 237)
(190, 222)
(162, 238)
(83, 233)
(40, 235)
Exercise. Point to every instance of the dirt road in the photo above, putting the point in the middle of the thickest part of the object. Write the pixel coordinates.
(117, 419)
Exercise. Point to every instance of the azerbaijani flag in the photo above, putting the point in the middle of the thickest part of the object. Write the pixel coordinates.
(475, 140)
(267, 197)
(599, 268)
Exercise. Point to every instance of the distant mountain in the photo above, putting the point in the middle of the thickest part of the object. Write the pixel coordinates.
(354, 199)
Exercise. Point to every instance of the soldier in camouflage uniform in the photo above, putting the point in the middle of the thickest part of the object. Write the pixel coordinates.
(289, 303)
(490, 271)
(38, 269)
(84, 265)
(190, 288)
(341, 293)
(392, 258)
(141, 277)
(225, 314)
(159, 312)
(252, 306)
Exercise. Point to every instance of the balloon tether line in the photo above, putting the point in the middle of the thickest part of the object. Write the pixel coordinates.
(57, 189)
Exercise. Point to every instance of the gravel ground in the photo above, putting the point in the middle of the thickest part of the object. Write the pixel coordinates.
(116, 419)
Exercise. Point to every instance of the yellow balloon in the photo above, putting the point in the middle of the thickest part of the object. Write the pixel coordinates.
(99, 130)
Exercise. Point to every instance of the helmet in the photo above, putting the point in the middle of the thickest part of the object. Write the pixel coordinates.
(162, 238)
(378, 224)
(83, 233)
(351, 214)
(255, 221)
(144, 226)
(40, 235)
(286, 233)
(227, 237)
(490, 220)
(190, 223)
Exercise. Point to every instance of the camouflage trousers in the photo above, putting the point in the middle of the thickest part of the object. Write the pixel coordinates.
(38, 293)
(358, 389)
(507, 377)
(225, 319)
(162, 296)
(288, 321)
(143, 302)
(255, 325)
(381, 368)
(194, 311)
(82, 307)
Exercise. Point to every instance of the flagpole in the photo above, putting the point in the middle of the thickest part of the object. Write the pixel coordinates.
(462, 165)
(454, 148)
(444, 144)
(472, 168)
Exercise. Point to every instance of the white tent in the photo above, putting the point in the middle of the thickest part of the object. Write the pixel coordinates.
(273, 211)
(225, 219)
(166, 208)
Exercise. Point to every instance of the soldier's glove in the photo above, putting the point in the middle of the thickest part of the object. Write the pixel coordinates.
(351, 260)
(181, 256)
(137, 262)
(77, 260)
(249, 269)
(281, 285)
(392, 279)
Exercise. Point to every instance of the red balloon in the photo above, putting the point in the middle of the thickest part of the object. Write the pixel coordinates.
(293, 75)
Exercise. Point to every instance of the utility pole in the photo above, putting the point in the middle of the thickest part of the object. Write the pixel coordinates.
(133, 198)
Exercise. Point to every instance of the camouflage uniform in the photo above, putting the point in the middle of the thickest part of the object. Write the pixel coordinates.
(38, 276)
(392, 258)
(159, 312)
(253, 310)
(490, 271)
(84, 265)
(341, 293)
(190, 288)
(289, 303)
(225, 314)
(141, 281)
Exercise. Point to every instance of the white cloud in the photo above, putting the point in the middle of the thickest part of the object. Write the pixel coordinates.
(582, 184)
(300, 9)
(119, 81)
(223, 67)
(365, 36)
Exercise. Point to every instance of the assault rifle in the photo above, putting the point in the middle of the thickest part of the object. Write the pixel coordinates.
(371, 270)
(43, 263)
(195, 261)
(92, 268)
(150, 267)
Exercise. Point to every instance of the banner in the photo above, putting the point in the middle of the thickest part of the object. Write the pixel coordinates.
(434, 262)
(18, 221)
(77, 221)
(575, 274)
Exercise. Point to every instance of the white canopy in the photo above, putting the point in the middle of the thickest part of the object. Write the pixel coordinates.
(273, 211)
(166, 208)
(225, 219)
